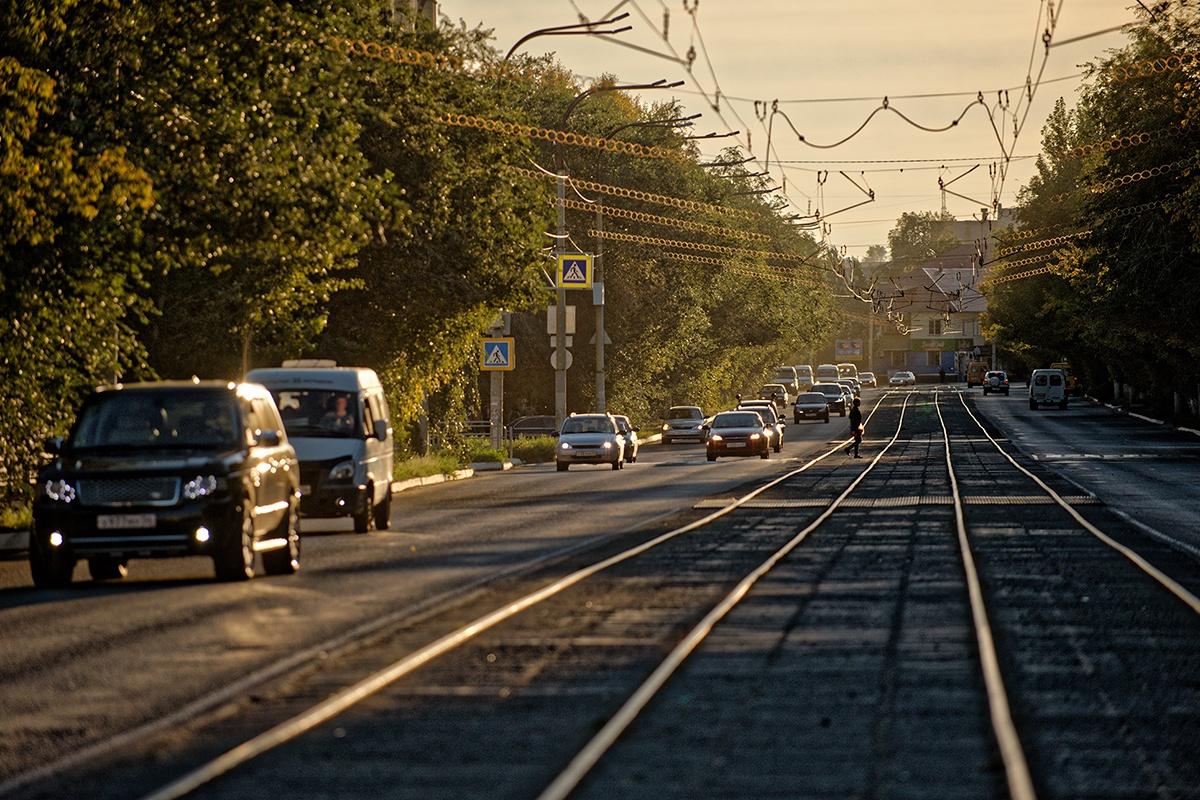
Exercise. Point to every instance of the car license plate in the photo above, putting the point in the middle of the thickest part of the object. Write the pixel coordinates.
(109, 522)
(736, 444)
(305, 488)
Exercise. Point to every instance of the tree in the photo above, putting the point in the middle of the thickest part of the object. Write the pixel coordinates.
(918, 236)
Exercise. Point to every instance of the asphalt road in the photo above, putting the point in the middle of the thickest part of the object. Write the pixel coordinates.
(1146, 471)
(83, 664)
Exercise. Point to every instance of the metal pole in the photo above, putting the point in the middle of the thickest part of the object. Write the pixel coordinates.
(560, 317)
(496, 404)
(871, 344)
(598, 279)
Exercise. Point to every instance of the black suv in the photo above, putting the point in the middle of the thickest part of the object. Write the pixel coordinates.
(155, 470)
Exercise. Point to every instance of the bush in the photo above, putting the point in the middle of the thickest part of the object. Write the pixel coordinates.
(534, 449)
(15, 518)
(423, 466)
(475, 450)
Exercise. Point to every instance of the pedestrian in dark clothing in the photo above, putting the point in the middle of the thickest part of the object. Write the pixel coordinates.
(856, 428)
(941, 374)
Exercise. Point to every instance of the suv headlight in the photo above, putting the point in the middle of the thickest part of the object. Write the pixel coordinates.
(666, 427)
(342, 472)
(565, 446)
(59, 490)
(606, 445)
(202, 486)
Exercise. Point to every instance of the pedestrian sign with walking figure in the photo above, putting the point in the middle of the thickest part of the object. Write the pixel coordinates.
(497, 355)
(574, 271)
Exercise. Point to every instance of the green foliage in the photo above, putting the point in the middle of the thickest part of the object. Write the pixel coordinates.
(426, 465)
(1122, 300)
(535, 449)
(475, 451)
(919, 236)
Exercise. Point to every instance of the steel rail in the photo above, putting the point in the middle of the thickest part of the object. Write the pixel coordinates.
(1166, 581)
(345, 699)
(1016, 768)
(587, 758)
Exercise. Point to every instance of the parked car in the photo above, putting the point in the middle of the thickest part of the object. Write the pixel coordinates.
(835, 398)
(852, 385)
(788, 377)
(810, 405)
(589, 439)
(157, 470)
(776, 393)
(683, 424)
(868, 379)
(629, 435)
(772, 422)
(996, 381)
(1047, 387)
(738, 433)
(805, 374)
(337, 419)
(540, 425)
(826, 373)
(902, 378)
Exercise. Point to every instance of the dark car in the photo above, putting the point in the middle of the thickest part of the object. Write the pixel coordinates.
(772, 422)
(157, 470)
(834, 396)
(533, 426)
(852, 384)
(738, 433)
(810, 405)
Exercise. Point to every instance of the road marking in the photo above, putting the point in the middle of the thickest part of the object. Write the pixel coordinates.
(1016, 768)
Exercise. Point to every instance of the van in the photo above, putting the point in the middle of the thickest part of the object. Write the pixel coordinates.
(827, 373)
(337, 420)
(1048, 386)
(804, 373)
(976, 370)
(788, 377)
(847, 370)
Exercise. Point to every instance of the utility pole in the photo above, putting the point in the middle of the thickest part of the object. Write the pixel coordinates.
(598, 299)
(496, 388)
(560, 316)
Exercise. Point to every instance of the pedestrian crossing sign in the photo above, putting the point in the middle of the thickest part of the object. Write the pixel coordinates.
(497, 355)
(575, 271)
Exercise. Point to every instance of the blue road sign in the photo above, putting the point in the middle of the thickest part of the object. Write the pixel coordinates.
(574, 271)
(497, 354)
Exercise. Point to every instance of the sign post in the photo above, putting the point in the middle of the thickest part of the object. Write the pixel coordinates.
(497, 355)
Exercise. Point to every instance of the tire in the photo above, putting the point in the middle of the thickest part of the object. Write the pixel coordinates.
(711, 457)
(383, 512)
(562, 467)
(1006, 392)
(985, 392)
(285, 560)
(616, 465)
(826, 417)
(765, 454)
(1033, 405)
(49, 568)
(796, 420)
(234, 558)
(779, 446)
(666, 440)
(104, 568)
(842, 413)
(363, 520)
(1063, 405)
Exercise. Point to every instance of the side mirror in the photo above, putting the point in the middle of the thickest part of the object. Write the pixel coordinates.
(267, 438)
(53, 445)
(380, 430)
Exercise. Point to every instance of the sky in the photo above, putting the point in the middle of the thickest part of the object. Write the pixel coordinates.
(790, 50)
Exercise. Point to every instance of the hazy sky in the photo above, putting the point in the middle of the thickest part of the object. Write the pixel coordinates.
(805, 49)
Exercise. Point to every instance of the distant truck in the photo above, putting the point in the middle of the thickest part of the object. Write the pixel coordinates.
(976, 371)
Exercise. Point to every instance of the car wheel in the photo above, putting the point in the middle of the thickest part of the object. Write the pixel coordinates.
(286, 560)
(711, 457)
(1033, 405)
(616, 465)
(562, 467)
(1063, 405)
(234, 558)
(779, 446)
(826, 416)
(666, 440)
(985, 391)
(842, 412)
(383, 512)
(104, 568)
(796, 420)
(765, 454)
(362, 520)
(49, 566)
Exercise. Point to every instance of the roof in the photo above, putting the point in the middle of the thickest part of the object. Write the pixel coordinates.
(339, 378)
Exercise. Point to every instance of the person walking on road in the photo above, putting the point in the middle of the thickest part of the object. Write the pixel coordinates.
(941, 374)
(856, 428)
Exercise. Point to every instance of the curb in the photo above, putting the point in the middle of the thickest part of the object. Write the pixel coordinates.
(430, 480)
(493, 466)
(1142, 417)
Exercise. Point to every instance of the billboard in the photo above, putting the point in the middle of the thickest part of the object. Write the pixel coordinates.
(848, 348)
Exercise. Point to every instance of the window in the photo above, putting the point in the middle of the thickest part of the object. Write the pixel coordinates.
(933, 358)
(936, 326)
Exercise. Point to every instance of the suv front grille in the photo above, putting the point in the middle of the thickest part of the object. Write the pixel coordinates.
(153, 491)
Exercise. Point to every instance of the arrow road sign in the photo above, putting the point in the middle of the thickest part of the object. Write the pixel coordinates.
(497, 354)
(574, 271)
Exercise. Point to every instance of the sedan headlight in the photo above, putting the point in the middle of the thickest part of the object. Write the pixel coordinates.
(666, 427)
(565, 446)
(606, 445)
(716, 437)
(342, 472)
(59, 490)
(754, 436)
(202, 486)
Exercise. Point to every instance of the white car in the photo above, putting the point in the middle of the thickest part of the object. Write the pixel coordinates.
(1046, 387)
(590, 439)
(868, 379)
(902, 378)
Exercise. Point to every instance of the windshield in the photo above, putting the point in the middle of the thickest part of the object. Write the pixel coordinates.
(738, 421)
(811, 397)
(685, 412)
(828, 388)
(153, 419)
(588, 425)
(318, 413)
(784, 376)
